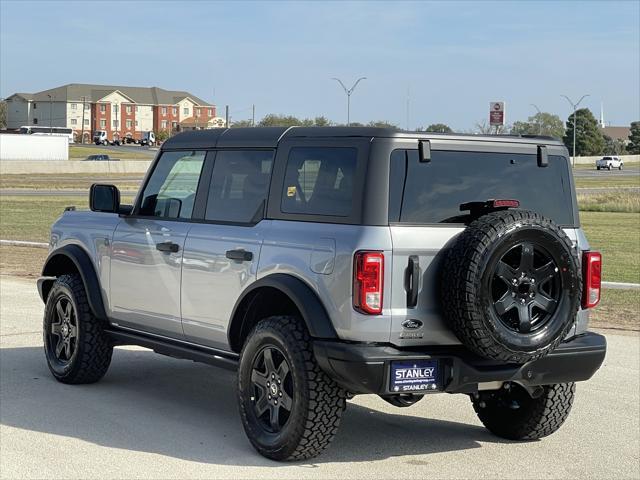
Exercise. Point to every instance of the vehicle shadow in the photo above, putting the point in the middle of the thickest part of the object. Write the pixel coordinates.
(154, 404)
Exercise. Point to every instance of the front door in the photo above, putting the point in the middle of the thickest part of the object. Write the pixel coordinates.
(222, 251)
(147, 251)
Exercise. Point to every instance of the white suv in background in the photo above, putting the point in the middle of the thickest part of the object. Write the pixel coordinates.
(609, 163)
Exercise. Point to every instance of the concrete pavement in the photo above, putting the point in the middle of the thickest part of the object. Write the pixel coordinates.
(156, 417)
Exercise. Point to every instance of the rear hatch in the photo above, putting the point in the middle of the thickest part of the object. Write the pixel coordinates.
(425, 215)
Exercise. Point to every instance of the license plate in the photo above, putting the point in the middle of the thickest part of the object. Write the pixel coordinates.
(416, 376)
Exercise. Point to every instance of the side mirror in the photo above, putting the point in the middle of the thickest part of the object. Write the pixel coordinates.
(104, 198)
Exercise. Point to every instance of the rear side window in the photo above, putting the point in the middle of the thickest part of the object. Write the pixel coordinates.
(319, 181)
(432, 192)
(239, 186)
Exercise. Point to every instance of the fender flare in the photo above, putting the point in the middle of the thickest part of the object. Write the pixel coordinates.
(303, 297)
(83, 264)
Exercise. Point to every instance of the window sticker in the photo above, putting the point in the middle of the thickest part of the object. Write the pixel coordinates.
(291, 191)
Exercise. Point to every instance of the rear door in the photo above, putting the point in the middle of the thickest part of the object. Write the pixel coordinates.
(425, 215)
(222, 250)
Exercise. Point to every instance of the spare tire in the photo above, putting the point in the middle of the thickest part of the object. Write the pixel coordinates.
(511, 286)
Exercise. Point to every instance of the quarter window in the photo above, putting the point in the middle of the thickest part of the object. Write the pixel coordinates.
(239, 186)
(171, 190)
(319, 181)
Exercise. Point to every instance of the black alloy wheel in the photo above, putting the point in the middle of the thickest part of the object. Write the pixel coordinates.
(273, 388)
(526, 287)
(63, 335)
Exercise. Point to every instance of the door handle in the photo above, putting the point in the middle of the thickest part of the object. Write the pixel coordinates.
(412, 281)
(169, 247)
(239, 255)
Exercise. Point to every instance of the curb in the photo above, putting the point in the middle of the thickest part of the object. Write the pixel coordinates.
(621, 285)
(21, 243)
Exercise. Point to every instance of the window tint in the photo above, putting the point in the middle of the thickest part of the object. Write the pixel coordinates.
(434, 191)
(239, 186)
(171, 190)
(319, 181)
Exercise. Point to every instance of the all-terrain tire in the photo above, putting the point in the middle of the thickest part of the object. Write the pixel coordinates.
(92, 349)
(465, 289)
(318, 402)
(533, 418)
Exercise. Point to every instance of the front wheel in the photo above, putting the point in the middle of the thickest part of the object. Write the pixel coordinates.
(290, 408)
(513, 414)
(75, 344)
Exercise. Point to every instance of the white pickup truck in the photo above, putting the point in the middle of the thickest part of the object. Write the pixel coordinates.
(609, 163)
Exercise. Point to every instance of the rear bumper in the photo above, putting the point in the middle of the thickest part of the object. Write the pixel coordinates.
(364, 368)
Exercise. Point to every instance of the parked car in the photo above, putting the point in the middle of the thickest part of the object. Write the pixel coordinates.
(609, 163)
(98, 158)
(323, 263)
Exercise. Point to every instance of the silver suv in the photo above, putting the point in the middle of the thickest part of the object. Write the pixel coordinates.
(323, 263)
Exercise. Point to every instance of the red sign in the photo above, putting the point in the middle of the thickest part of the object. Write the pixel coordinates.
(496, 113)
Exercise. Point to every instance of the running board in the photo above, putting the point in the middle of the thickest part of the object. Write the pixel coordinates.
(175, 349)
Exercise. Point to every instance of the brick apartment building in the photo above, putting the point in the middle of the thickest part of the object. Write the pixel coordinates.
(121, 111)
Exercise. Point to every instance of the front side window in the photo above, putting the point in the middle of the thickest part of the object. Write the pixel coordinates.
(319, 181)
(239, 186)
(171, 190)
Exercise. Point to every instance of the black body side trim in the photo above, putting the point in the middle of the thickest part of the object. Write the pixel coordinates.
(306, 301)
(83, 264)
(175, 349)
(364, 368)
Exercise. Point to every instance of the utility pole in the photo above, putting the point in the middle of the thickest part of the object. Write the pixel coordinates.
(539, 123)
(575, 124)
(117, 125)
(349, 91)
(50, 113)
(226, 116)
(82, 131)
(408, 104)
(253, 115)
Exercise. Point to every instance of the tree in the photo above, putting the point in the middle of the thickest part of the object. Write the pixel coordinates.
(589, 138)
(240, 123)
(634, 139)
(439, 128)
(382, 124)
(162, 135)
(322, 121)
(3, 115)
(485, 128)
(542, 123)
(274, 120)
(613, 146)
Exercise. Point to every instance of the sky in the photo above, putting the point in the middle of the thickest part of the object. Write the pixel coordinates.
(444, 60)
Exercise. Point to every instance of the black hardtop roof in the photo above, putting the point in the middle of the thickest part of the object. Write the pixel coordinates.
(269, 137)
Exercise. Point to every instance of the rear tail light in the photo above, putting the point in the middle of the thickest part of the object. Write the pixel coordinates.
(368, 277)
(592, 276)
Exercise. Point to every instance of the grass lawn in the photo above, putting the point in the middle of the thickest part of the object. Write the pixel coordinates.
(74, 181)
(131, 153)
(617, 309)
(617, 237)
(614, 200)
(607, 182)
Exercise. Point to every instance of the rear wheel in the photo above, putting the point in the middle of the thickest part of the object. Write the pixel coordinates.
(513, 414)
(290, 408)
(75, 344)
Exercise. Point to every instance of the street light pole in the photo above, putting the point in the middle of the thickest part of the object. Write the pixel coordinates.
(50, 114)
(349, 91)
(539, 113)
(575, 124)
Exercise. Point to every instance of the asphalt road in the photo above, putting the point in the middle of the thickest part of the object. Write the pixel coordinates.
(592, 172)
(156, 417)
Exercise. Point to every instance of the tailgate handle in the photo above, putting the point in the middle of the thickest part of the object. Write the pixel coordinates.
(412, 281)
